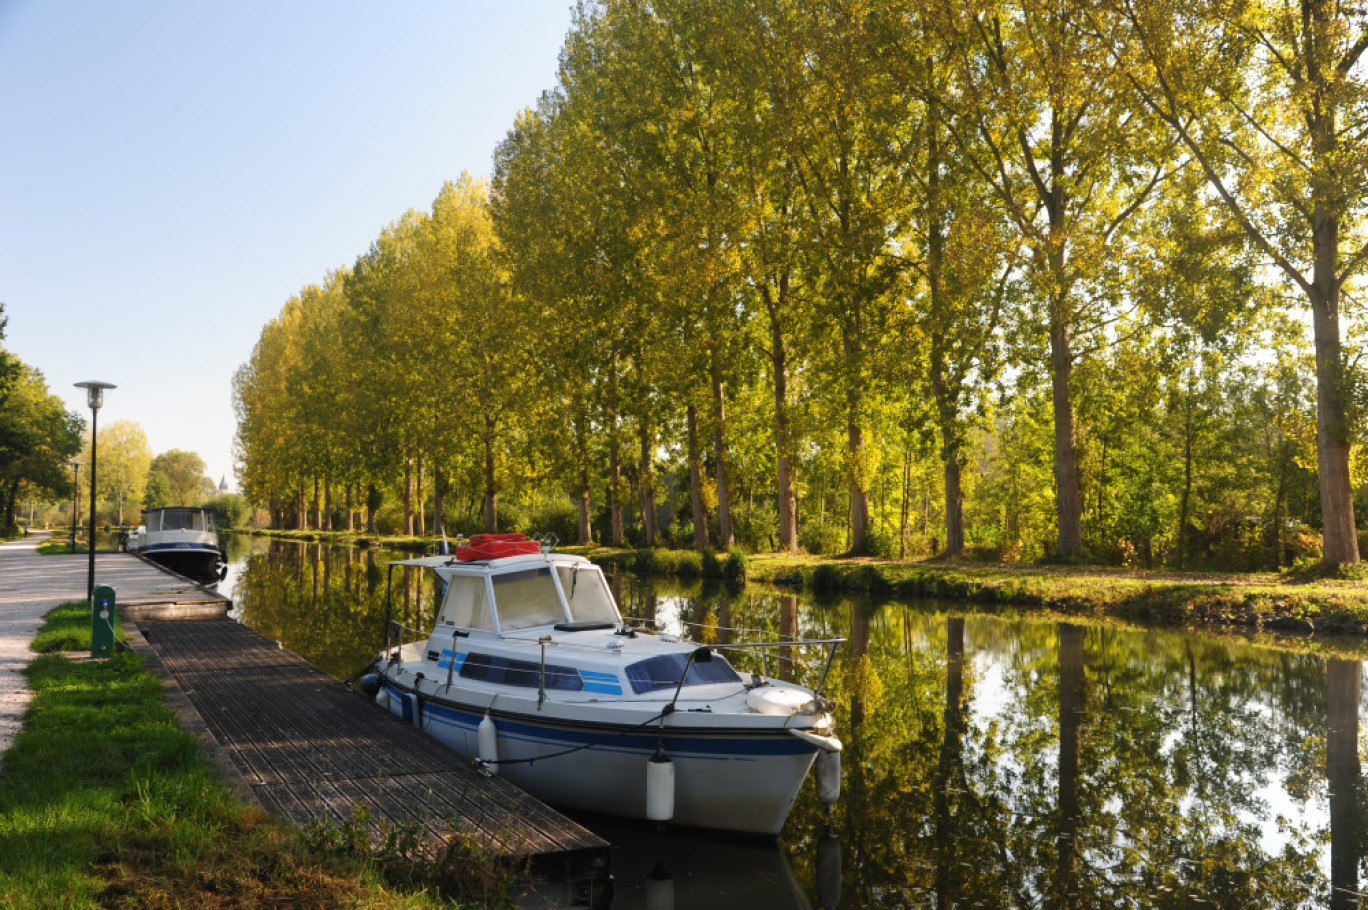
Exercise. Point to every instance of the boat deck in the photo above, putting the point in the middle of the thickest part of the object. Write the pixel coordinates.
(309, 749)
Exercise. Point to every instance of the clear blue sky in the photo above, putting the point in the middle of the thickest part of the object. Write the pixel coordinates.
(171, 173)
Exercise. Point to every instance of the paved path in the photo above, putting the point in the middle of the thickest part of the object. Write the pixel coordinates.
(31, 585)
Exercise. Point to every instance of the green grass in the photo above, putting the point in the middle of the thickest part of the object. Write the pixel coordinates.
(106, 802)
(53, 546)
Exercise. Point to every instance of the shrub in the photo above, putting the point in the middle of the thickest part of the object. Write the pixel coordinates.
(826, 579)
(824, 539)
(756, 526)
(559, 517)
(390, 519)
(231, 510)
(645, 562)
(880, 544)
(735, 566)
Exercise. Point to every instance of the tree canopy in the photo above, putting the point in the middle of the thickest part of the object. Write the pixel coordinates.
(903, 278)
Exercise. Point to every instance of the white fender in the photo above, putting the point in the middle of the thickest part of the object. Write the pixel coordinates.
(489, 743)
(660, 788)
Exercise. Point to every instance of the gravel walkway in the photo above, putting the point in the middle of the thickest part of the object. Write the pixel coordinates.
(30, 586)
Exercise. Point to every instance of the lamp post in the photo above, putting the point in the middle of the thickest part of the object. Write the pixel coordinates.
(75, 500)
(94, 397)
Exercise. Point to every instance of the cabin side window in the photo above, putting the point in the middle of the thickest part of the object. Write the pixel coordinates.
(467, 603)
(587, 595)
(524, 673)
(527, 599)
(664, 671)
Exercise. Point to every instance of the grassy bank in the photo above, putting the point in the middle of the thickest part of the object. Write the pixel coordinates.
(106, 802)
(1268, 600)
(1256, 600)
(1260, 600)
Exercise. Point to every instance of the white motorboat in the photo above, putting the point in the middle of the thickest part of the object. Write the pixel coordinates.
(181, 538)
(531, 671)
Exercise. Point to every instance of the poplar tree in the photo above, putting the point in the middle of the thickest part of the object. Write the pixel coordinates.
(1271, 100)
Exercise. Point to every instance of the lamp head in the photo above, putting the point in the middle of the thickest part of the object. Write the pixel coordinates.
(95, 391)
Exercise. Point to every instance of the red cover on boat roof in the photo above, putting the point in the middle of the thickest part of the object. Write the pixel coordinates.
(496, 546)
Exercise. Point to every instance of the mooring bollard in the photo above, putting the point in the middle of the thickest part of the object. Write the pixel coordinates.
(104, 613)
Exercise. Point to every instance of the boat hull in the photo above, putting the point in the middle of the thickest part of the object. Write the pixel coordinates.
(199, 562)
(730, 779)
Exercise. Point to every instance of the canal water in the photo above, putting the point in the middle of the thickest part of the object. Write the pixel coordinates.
(991, 760)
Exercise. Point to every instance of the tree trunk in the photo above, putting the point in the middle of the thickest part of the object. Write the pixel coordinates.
(853, 350)
(1185, 499)
(1275, 533)
(905, 508)
(788, 504)
(648, 503)
(614, 456)
(1068, 497)
(438, 501)
(859, 485)
(11, 499)
(301, 510)
(408, 497)
(700, 514)
(726, 537)
(420, 496)
(584, 530)
(491, 496)
(1332, 430)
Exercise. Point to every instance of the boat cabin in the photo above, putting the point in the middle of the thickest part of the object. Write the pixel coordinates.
(493, 614)
(565, 592)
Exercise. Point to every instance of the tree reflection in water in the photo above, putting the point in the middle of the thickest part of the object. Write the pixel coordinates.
(990, 761)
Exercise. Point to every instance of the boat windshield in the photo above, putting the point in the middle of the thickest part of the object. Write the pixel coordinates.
(527, 598)
(587, 595)
(466, 604)
(180, 520)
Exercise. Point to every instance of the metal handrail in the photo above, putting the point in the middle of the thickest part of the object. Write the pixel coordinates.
(394, 639)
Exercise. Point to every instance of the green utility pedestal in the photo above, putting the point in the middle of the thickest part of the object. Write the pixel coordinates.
(104, 616)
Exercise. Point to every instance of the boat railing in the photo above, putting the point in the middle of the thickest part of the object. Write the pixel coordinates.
(395, 639)
(779, 655)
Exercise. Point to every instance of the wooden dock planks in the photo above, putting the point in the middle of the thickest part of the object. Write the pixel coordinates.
(310, 749)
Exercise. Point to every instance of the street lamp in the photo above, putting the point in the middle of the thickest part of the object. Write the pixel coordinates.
(75, 499)
(94, 397)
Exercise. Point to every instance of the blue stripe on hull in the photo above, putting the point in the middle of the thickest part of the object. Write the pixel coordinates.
(715, 746)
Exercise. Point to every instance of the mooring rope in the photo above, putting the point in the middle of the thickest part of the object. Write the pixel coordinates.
(482, 765)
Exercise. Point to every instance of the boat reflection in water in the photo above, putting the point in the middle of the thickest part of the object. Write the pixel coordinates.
(690, 870)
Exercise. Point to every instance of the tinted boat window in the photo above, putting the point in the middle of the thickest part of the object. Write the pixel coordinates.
(587, 595)
(526, 598)
(523, 673)
(663, 672)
